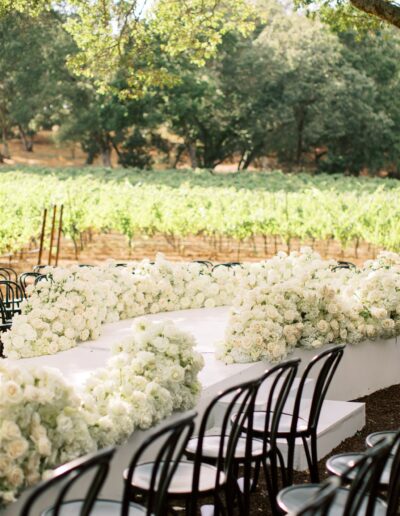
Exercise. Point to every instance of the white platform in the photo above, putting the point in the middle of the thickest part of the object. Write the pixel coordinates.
(365, 368)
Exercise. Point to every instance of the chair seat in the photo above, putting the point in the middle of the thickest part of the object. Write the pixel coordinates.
(338, 464)
(291, 499)
(181, 481)
(100, 508)
(211, 443)
(284, 423)
(374, 438)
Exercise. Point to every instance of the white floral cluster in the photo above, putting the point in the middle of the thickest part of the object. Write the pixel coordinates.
(44, 422)
(301, 300)
(151, 373)
(74, 303)
(41, 426)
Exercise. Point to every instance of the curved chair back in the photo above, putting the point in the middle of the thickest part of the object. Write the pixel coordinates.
(174, 438)
(235, 405)
(319, 504)
(68, 475)
(278, 381)
(393, 495)
(8, 273)
(27, 278)
(5, 321)
(206, 263)
(12, 294)
(38, 268)
(228, 264)
(327, 362)
(364, 489)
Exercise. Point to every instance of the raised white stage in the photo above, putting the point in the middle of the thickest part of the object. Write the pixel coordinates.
(365, 368)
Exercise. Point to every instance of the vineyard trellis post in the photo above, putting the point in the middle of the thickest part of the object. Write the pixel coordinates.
(53, 223)
(59, 234)
(42, 236)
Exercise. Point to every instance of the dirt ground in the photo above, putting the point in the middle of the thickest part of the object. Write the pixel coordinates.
(113, 245)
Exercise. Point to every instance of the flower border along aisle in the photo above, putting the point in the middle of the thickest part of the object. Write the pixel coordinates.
(296, 300)
(45, 422)
(74, 303)
(303, 301)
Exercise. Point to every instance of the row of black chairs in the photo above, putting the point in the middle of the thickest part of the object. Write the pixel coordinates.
(361, 483)
(221, 465)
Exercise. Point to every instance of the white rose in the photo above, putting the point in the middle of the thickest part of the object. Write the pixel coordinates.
(9, 430)
(16, 448)
(15, 476)
(12, 392)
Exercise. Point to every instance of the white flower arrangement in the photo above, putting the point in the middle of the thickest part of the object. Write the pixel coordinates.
(74, 303)
(300, 300)
(285, 302)
(44, 422)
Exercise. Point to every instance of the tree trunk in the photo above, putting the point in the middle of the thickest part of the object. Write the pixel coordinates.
(191, 147)
(300, 129)
(26, 142)
(106, 157)
(6, 150)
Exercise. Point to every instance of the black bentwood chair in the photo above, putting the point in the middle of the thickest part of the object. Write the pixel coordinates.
(196, 480)
(28, 278)
(151, 480)
(359, 499)
(320, 503)
(273, 393)
(8, 273)
(302, 420)
(12, 295)
(389, 481)
(66, 477)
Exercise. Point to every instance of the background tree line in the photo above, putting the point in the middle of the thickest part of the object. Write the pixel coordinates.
(292, 88)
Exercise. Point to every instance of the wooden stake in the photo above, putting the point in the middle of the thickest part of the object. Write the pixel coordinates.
(42, 237)
(53, 223)
(59, 234)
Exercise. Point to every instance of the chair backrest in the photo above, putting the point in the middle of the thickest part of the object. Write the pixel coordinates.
(8, 273)
(25, 277)
(170, 441)
(38, 268)
(282, 377)
(228, 264)
(207, 263)
(319, 504)
(393, 495)
(327, 361)
(12, 294)
(364, 489)
(5, 323)
(235, 408)
(68, 475)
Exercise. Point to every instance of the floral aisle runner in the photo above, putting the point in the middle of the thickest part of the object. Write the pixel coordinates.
(46, 422)
(291, 301)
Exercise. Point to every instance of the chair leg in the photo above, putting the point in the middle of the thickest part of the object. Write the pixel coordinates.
(270, 489)
(256, 477)
(314, 458)
(291, 441)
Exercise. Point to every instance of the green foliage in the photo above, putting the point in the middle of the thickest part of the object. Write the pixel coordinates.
(33, 77)
(181, 203)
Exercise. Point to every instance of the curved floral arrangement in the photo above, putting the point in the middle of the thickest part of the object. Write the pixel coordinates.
(301, 300)
(296, 300)
(46, 422)
(73, 305)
